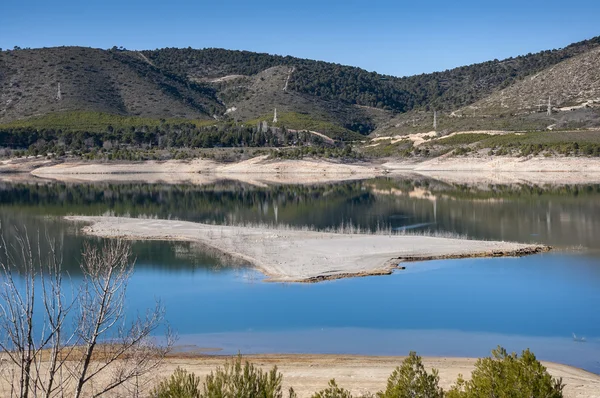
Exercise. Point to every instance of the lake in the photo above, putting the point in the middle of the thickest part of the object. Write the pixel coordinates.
(450, 307)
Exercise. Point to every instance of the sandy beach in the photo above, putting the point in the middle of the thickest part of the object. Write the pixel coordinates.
(289, 255)
(308, 373)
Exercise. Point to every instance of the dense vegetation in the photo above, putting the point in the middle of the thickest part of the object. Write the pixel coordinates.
(502, 375)
(236, 379)
(578, 143)
(156, 141)
(443, 90)
(505, 375)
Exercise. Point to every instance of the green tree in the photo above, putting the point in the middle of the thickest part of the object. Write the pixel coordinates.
(411, 380)
(332, 391)
(237, 380)
(181, 384)
(505, 375)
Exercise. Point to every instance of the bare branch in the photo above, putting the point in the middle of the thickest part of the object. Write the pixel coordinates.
(41, 355)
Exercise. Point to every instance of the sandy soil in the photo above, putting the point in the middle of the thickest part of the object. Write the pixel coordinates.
(260, 171)
(308, 373)
(257, 170)
(482, 180)
(417, 138)
(362, 374)
(260, 165)
(511, 164)
(23, 165)
(289, 255)
(421, 138)
(257, 165)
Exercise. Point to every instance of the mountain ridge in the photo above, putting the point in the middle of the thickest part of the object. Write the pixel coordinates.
(237, 86)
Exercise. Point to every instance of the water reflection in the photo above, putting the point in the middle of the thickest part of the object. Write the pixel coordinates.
(564, 216)
(155, 255)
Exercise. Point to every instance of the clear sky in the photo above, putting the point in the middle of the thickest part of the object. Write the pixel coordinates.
(393, 37)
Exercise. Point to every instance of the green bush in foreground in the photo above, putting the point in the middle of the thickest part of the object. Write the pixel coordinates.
(411, 380)
(502, 375)
(506, 375)
(237, 380)
(234, 380)
(332, 391)
(181, 384)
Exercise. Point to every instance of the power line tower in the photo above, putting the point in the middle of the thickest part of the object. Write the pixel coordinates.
(435, 120)
(58, 93)
(549, 107)
(275, 116)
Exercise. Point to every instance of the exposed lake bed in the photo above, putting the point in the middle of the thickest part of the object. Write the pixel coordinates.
(294, 255)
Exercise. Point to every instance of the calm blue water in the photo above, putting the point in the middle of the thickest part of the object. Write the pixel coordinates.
(451, 307)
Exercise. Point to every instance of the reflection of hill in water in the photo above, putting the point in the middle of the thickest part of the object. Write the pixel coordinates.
(558, 215)
(166, 256)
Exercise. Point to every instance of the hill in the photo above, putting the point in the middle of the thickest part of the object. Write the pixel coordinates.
(566, 95)
(571, 88)
(115, 82)
(237, 87)
(448, 90)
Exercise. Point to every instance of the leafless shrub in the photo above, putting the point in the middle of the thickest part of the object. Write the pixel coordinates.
(40, 353)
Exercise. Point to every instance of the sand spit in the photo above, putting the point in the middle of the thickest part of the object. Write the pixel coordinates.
(308, 373)
(288, 255)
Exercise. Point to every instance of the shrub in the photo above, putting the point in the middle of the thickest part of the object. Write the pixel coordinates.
(506, 375)
(181, 384)
(234, 380)
(411, 380)
(332, 391)
(237, 380)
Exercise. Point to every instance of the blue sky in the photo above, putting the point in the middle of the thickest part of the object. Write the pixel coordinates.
(392, 37)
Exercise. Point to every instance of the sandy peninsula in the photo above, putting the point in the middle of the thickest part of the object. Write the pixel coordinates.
(291, 255)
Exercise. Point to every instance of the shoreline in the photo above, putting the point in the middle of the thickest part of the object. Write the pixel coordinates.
(360, 374)
(293, 255)
(308, 373)
(262, 171)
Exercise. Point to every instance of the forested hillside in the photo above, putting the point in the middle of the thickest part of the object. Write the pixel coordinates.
(450, 89)
(85, 89)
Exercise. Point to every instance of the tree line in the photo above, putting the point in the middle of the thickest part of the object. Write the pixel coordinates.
(43, 141)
